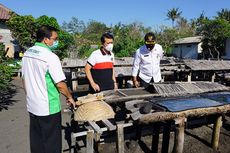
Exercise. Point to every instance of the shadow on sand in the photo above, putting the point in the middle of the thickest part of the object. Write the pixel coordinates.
(5, 97)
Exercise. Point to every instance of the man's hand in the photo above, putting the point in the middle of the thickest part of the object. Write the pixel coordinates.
(71, 102)
(136, 84)
(115, 86)
(95, 87)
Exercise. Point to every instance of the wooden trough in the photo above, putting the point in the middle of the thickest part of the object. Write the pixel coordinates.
(158, 114)
(135, 98)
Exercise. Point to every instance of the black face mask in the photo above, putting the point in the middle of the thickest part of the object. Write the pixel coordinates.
(150, 46)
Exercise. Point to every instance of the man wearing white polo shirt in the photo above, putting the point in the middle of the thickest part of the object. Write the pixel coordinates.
(43, 80)
(146, 66)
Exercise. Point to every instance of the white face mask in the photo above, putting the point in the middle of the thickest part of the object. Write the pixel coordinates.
(109, 47)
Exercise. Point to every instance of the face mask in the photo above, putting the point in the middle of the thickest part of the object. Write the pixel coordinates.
(55, 45)
(109, 47)
(149, 47)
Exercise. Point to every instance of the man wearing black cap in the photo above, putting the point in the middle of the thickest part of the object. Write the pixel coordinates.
(146, 66)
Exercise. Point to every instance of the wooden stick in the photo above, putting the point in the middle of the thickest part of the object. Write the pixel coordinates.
(120, 138)
(179, 135)
(216, 132)
(166, 137)
(89, 143)
(155, 137)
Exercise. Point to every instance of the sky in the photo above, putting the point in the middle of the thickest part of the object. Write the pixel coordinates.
(148, 12)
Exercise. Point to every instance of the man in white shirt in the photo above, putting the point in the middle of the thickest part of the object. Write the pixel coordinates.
(146, 65)
(43, 80)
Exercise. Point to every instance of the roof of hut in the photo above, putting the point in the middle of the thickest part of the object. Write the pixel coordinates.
(198, 65)
(188, 40)
(4, 12)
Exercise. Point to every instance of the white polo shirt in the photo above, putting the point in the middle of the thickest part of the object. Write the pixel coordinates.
(147, 63)
(41, 70)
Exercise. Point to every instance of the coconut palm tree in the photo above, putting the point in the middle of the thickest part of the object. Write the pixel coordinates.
(173, 14)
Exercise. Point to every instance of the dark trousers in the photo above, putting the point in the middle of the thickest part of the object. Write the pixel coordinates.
(148, 86)
(45, 133)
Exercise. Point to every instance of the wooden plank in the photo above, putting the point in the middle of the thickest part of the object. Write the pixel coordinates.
(120, 138)
(95, 127)
(89, 141)
(165, 116)
(130, 105)
(216, 132)
(120, 92)
(109, 125)
(136, 115)
(83, 133)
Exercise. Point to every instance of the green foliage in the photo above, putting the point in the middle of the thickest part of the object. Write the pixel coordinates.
(24, 31)
(45, 20)
(215, 33)
(165, 36)
(173, 14)
(85, 50)
(224, 14)
(128, 38)
(93, 31)
(5, 70)
(5, 75)
(2, 52)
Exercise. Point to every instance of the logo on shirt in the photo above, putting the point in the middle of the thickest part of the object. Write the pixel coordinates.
(111, 58)
(34, 51)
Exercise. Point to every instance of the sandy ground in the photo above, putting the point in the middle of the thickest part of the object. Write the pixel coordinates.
(14, 131)
(14, 122)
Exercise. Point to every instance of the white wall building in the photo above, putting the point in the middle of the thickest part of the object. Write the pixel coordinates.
(187, 48)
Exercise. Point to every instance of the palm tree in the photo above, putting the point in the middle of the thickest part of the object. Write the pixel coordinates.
(173, 14)
(224, 14)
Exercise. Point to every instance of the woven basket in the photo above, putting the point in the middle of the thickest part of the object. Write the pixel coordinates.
(93, 111)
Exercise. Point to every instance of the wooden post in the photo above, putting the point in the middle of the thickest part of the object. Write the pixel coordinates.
(216, 132)
(213, 77)
(74, 80)
(166, 137)
(89, 141)
(155, 137)
(120, 138)
(73, 143)
(190, 77)
(179, 135)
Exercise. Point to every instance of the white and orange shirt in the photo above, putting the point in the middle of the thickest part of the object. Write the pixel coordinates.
(102, 69)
